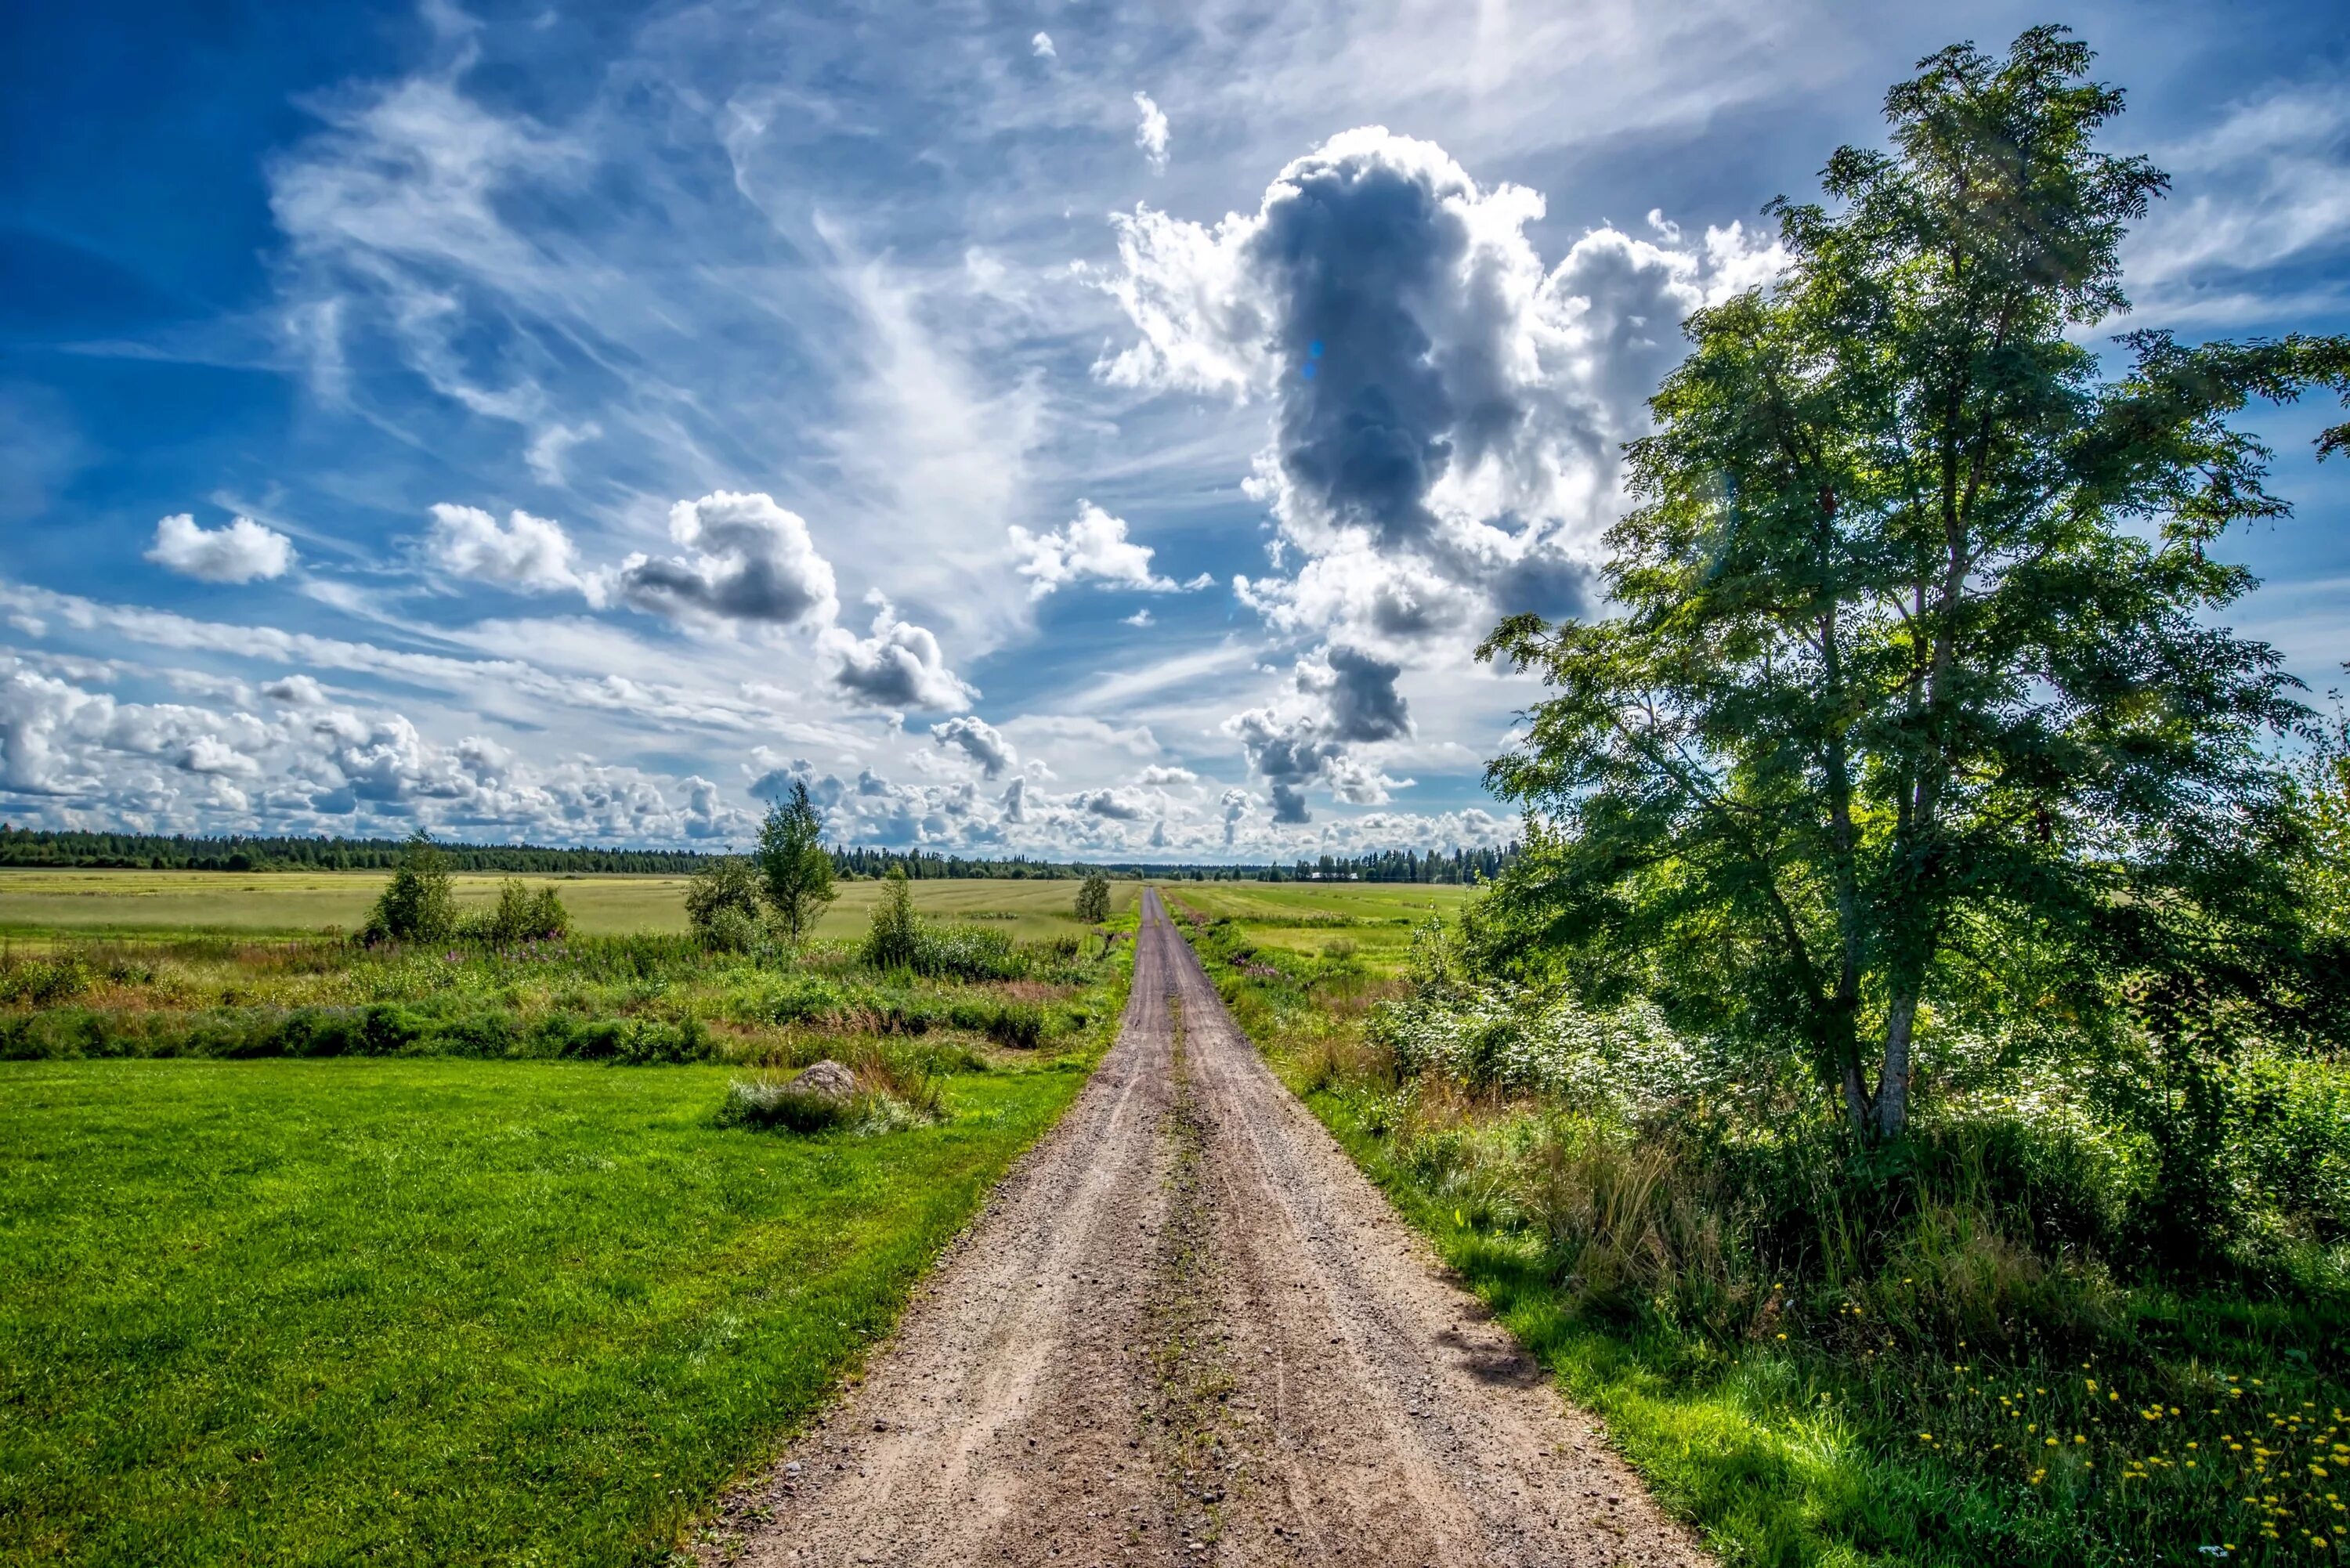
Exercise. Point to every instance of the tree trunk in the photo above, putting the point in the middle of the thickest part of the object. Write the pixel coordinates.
(1893, 1088)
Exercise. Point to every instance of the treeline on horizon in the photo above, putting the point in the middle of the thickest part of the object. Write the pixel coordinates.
(78, 850)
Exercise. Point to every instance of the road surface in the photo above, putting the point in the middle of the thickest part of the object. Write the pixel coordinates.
(1186, 1330)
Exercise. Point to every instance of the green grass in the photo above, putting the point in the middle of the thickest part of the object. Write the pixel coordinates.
(1377, 918)
(2203, 1422)
(434, 1312)
(39, 904)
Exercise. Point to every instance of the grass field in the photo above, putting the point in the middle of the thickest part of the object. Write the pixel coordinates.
(433, 1312)
(45, 904)
(1377, 918)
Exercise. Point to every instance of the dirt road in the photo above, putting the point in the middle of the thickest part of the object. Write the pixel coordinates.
(1186, 1330)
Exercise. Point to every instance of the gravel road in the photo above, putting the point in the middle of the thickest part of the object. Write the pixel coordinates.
(1187, 1330)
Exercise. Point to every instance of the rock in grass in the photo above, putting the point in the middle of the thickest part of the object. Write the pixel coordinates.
(825, 1080)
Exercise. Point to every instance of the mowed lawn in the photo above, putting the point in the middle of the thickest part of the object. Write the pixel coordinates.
(1377, 918)
(433, 1311)
(42, 904)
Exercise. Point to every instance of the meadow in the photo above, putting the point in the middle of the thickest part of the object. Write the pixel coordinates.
(41, 904)
(320, 1253)
(1375, 919)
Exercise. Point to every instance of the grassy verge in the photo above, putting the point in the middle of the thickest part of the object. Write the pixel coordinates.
(1845, 1424)
(441, 1311)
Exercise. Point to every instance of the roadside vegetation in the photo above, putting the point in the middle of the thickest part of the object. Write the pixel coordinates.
(1901, 1082)
(473, 1238)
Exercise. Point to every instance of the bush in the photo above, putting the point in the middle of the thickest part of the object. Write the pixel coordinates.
(520, 916)
(966, 952)
(893, 938)
(417, 904)
(721, 905)
(1093, 898)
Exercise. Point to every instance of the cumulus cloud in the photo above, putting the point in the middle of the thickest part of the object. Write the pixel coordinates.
(1150, 131)
(1156, 777)
(1345, 699)
(1446, 410)
(751, 561)
(899, 665)
(1092, 547)
(1118, 806)
(311, 765)
(296, 691)
(1015, 801)
(1041, 45)
(531, 554)
(239, 553)
(1236, 804)
(981, 741)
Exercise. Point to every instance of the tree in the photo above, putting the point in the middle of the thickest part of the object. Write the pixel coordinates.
(417, 904)
(1093, 898)
(721, 904)
(795, 868)
(894, 938)
(1916, 651)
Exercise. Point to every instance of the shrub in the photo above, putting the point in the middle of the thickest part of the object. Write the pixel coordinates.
(893, 938)
(521, 916)
(966, 952)
(721, 905)
(43, 982)
(417, 904)
(1018, 1025)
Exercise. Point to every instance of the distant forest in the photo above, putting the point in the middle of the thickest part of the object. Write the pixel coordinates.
(24, 847)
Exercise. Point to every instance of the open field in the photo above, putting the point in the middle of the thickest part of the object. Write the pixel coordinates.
(1377, 918)
(40, 903)
(434, 1312)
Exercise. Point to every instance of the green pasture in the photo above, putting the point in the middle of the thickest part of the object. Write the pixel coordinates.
(39, 904)
(1377, 918)
(435, 1311)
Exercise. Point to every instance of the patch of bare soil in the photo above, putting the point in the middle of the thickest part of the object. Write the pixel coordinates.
(1187, 1330)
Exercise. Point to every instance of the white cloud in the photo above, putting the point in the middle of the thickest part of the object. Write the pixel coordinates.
(1160, 776)
(1092, 547)
(239, 553)
(899, 665)
(979, 739)
(753, 561)
(1140, 618)
(1151, 132)
(532, 554)
(2268, 186)
(545, 453)
(1446, 413)
(1041, 45)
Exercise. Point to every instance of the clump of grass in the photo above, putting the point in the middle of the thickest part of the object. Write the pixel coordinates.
(890, 1096)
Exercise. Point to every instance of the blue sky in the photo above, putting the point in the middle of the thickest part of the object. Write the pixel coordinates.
(569, 422)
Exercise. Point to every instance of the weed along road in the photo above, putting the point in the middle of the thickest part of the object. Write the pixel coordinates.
(1187, 1330)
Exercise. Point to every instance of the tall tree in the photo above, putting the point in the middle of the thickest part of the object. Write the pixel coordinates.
(795, 868)
(1916, 636)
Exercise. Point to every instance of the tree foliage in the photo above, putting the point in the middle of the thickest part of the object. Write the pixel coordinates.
(417, 904)
(894, 938)
(1093, 898)
(795, 868)
(1917, 653)
(721, 904)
